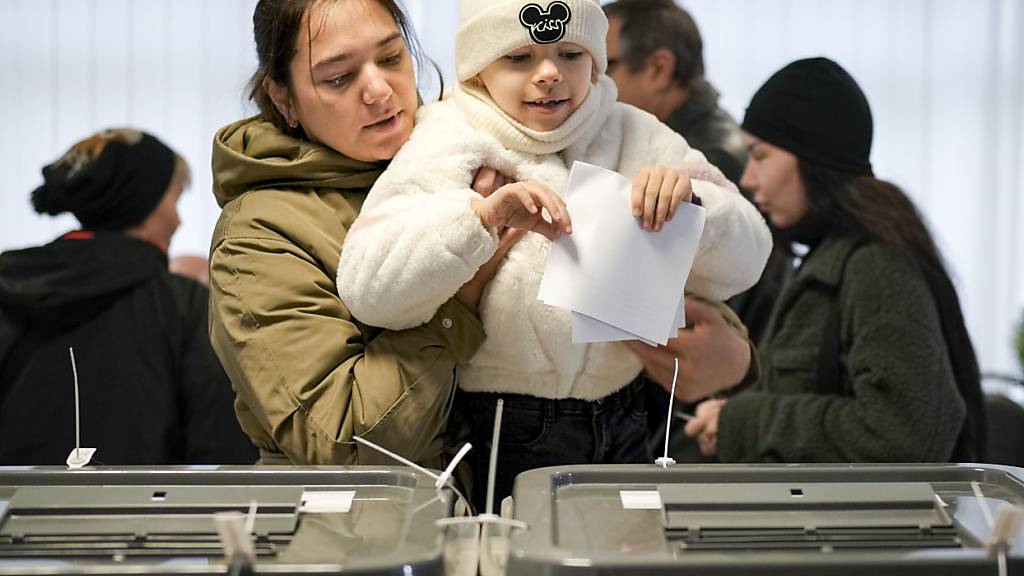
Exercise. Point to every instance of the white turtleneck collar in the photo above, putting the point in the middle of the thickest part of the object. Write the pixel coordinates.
(485, 115)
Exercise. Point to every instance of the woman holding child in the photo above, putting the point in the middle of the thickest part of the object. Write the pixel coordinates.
(338, 100)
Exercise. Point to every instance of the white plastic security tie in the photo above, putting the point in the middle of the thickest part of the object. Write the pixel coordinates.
(665, 461)
(1002, 530)
(396, 457)
(492, 465)
(447, 474)
(79, 457)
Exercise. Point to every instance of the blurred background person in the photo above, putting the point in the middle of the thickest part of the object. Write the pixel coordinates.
(866, 358)
(151, 389)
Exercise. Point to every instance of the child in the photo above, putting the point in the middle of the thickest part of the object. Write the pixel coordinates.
(533, 98)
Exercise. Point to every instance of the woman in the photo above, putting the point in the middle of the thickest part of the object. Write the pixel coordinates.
(866, 357)
(337, 95)
(152, 392)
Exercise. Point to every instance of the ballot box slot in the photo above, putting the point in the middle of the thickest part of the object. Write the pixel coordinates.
(142, 521)
(811, 516)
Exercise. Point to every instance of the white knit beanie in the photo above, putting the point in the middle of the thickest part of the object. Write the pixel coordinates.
(490, 29)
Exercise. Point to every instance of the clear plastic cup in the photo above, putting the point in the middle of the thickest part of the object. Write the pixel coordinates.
(461, 549)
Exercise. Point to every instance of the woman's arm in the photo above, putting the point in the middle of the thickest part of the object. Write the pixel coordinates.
(417, 238)
(309, 377)
(410, 254)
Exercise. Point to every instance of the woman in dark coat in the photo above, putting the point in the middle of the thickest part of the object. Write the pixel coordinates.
(151, 390)
(866, 358)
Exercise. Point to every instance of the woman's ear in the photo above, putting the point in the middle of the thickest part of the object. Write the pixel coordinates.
(281, 97)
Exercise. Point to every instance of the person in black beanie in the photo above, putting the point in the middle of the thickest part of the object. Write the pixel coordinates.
(151, 389)
(866, 357)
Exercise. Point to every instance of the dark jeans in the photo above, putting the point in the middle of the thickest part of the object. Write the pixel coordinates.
(536, 432)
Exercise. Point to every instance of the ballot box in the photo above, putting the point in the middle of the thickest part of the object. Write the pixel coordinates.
(764, 519)
(358, 520)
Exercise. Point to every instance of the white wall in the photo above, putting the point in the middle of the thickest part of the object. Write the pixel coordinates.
(945, 79)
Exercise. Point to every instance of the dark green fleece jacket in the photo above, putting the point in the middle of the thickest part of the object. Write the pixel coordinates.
(903, 404)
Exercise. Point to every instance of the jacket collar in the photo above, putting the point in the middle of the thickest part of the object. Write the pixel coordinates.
(823, 266)
(825, 263)
(703, 99)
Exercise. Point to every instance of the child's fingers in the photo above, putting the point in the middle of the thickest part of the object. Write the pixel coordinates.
(525, 197)
(636, 196)
(668, 184)
(681, 192)
(554, 204)
(651, 193)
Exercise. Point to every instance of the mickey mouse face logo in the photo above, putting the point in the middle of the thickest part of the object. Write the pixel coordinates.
(545, 27)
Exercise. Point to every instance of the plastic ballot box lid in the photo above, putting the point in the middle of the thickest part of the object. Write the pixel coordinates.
(765, 519)
(351, 520)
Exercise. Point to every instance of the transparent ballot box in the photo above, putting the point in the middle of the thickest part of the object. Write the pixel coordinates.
(955, 519)
(282, 521)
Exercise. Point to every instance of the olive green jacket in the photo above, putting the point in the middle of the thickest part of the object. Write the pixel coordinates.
(902, 403)
(308, 377)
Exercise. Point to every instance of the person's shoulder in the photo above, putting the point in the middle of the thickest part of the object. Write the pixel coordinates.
(283, 213)
(628, 114)
(879, 260)
(442, 124)
(882, 277)
(643, 127)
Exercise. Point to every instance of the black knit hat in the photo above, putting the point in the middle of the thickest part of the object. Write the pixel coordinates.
(814, 109)
(112, 180)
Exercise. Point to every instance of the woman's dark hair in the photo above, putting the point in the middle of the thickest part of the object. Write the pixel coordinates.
(276, 25)
(878, 211)
(865, 206)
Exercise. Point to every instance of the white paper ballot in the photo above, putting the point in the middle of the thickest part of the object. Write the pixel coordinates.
(586, 330)
(611, 270)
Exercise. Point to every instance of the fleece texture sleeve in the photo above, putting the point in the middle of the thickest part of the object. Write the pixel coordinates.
(417, 239)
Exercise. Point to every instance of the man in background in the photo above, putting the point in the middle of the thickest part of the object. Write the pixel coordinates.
(656, 58)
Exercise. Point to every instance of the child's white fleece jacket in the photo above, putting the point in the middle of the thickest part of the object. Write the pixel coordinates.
(417, 241)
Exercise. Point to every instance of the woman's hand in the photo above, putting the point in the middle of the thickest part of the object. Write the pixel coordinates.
(704, 426)
(657, 192)
(519, 204)
(712, 356)
(487, 180)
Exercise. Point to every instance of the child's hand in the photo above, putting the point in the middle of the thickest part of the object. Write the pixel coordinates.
(518, 205)
(657, 192)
